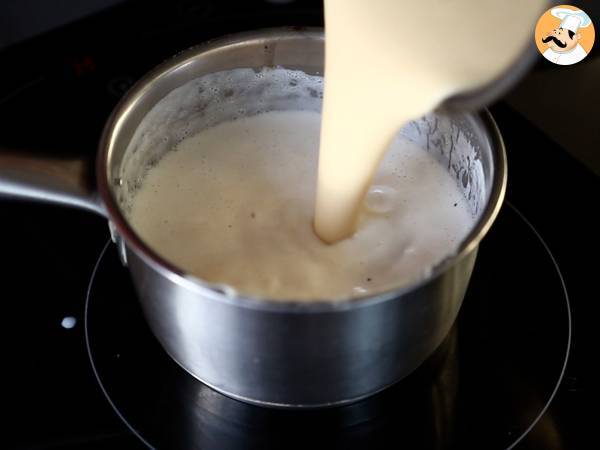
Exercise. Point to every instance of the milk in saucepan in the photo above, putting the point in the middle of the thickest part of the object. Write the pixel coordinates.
(234, 204)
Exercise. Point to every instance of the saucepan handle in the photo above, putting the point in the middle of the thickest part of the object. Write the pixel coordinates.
(65, 181)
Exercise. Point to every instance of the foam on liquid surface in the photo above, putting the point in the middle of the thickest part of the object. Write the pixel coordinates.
(234, 204)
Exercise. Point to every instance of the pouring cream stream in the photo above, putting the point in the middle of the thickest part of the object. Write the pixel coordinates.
(413, 55)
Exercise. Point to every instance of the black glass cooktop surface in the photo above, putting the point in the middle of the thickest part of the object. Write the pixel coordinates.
(486, 387)
(490, 382)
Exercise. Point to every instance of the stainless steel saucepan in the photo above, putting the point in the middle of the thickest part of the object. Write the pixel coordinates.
(286, 354)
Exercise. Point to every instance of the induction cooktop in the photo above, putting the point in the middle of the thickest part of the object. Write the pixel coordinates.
(82, 369)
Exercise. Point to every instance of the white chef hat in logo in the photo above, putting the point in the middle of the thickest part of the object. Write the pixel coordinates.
(571, 20)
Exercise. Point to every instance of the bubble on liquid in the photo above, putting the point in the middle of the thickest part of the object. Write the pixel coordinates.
(381, 199)
(409, 250)
(359, 290)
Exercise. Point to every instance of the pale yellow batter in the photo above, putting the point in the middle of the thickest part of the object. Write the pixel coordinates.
(391, 61)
